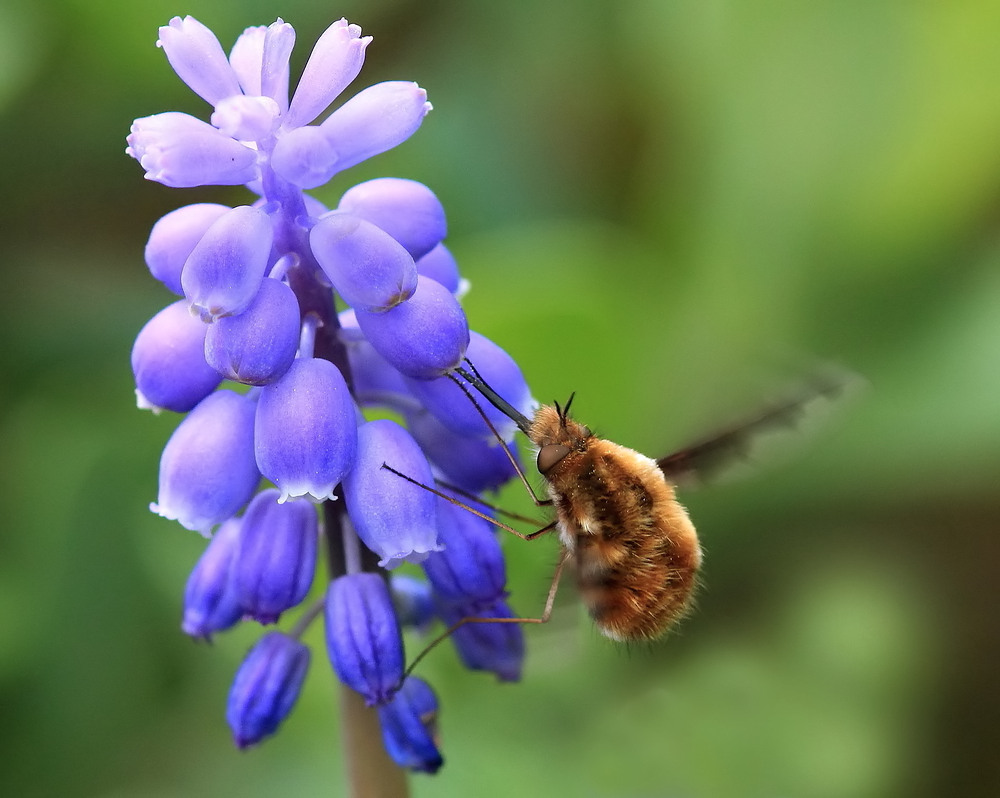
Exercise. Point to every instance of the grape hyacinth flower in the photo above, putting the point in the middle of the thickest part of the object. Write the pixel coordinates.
(275, 451)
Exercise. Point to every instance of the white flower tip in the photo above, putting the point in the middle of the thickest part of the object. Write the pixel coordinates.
(143, 403)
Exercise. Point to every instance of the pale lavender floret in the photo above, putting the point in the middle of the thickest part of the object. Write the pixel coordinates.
(306, 430)
(181, 151)
(407, 210)
(373, 121)
(247, 58)
(375, 381)
(174, 236)
(439, 264)
(278, 43)
(258, 346)
(409, 727)
(335, 61)
(424, 337)
(495, 647)
(368, 267)
(246, 118)
(472, 464)
(451, 406)
(363, 638)
(168, 361)
(266, 687)
(393, 517)
(210, 601)
(224, 271)
(275, 558)
(470, 568)
(207, 470)
(197, 57)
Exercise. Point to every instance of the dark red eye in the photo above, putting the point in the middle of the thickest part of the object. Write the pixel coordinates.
(550, 454)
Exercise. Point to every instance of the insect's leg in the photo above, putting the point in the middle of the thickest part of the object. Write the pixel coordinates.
(543, 618)
(470, 508)
(478, 382)
(472, 497)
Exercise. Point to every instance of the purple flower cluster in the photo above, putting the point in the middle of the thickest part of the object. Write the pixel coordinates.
(286, 433)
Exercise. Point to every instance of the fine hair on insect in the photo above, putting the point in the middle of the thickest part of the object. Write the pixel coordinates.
(625, 537)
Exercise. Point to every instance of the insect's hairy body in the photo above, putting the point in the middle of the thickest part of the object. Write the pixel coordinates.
(635, 552)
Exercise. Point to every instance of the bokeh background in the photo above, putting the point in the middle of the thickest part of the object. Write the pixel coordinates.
(667, 206)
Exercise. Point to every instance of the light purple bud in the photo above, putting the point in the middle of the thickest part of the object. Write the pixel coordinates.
(180, 151)
(368, 267)
(407, 210)
(247, 58)
(335, 61)
(375, 120)
(375, 381)
(306, 430)
(470, 568)
(246, 118)
(362, 636)
(305, 157)
(275, 556)
(495, 647)
(174, 236)
(266, 688)
(395, 518)
(207, 470)
(168, 361)
(224, 271)
(257, 346)
(210, 601)
(197, 58)
(278, 43)
(409, 727)
(473, 464)
(424, 337)
(413, 600)
(451, 406)
(439, 264)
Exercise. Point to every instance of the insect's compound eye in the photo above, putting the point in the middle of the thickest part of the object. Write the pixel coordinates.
(550, 454)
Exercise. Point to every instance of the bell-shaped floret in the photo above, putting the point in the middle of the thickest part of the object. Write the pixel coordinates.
(409, 727)
(424, 337)
(279, 40)
(247, 58)
(257, 346)
(168, 361)
(439, 264)
(306, 430)
(368, 267)
(375, 381)
(198, 59)
(266, 687)
(335, 61)
(395, 518)
(211, 603)
(247, 118)
(174, 236)
(181, 151)
(275, 556)
(363, 638)
(407, 210)
(470, 568)
(371, 122)
(413, 600)
(494, 647)
(207, 470)
(224, 271)
(452, 406)
(472, 464)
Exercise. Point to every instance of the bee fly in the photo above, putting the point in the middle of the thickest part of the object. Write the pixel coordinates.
(629, 542)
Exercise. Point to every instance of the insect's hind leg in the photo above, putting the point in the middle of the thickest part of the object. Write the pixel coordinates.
(543, 618)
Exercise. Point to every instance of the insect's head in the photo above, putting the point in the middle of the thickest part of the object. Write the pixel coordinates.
(557, 435)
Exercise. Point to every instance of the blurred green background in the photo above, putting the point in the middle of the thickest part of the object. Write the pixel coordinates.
(666, 206)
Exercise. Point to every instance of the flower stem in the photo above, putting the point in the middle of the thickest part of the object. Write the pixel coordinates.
(370, 771)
